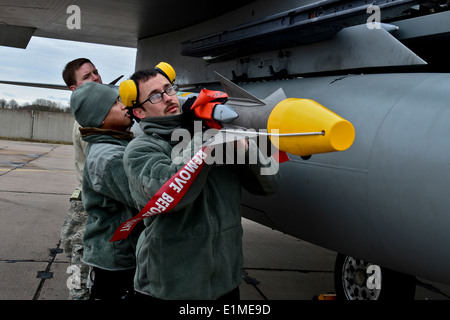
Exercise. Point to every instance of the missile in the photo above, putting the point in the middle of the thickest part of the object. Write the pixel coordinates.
(298, 126)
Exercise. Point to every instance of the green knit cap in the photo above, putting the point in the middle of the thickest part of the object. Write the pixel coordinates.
(90, 103)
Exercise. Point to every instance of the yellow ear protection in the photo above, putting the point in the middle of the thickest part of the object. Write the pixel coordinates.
(167, 71)
(129, 89)
(129, 93)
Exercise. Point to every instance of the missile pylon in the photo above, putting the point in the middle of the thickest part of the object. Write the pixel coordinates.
(298, 126)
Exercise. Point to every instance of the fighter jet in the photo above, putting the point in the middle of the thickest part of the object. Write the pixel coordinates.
(381, 203)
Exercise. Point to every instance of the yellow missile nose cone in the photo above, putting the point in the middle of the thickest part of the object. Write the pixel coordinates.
(304, 116)
(341, 135)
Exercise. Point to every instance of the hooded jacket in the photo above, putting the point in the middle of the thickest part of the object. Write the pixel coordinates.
(107, 201)
(195, 250)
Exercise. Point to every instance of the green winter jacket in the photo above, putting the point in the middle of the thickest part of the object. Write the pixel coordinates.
(108, 202)
(195, 250)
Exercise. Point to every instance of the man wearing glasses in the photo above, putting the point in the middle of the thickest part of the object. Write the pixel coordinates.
(193, 251)
(161, 99)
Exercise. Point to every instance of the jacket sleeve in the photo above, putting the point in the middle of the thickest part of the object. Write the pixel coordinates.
(79, 152)
(260, 175)
(106, 174)
(116, 183)
(149, 165)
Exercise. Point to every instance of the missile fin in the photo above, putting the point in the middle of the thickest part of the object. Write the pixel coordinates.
(238, 95)
(277, 96)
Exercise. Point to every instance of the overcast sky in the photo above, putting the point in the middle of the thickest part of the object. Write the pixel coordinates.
(44, 59)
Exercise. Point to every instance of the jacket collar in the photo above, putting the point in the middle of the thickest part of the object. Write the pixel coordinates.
(162, 126)
(92, 134)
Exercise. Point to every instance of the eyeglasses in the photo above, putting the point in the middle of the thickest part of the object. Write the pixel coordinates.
(158, 97)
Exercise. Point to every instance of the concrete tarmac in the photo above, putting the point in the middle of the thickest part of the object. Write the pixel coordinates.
(36, 181)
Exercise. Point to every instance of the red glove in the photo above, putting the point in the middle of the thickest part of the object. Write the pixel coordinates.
(204, 106)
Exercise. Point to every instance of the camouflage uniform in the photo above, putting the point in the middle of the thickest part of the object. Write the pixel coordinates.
(72, 233)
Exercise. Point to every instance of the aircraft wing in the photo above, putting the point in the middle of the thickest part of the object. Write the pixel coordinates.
(51, 85)
(36, 85)
(110, 22)
(248, 40)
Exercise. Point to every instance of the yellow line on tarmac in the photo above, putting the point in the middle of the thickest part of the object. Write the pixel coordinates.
(47, 170)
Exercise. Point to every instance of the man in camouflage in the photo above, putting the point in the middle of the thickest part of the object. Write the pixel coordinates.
(75, 74)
